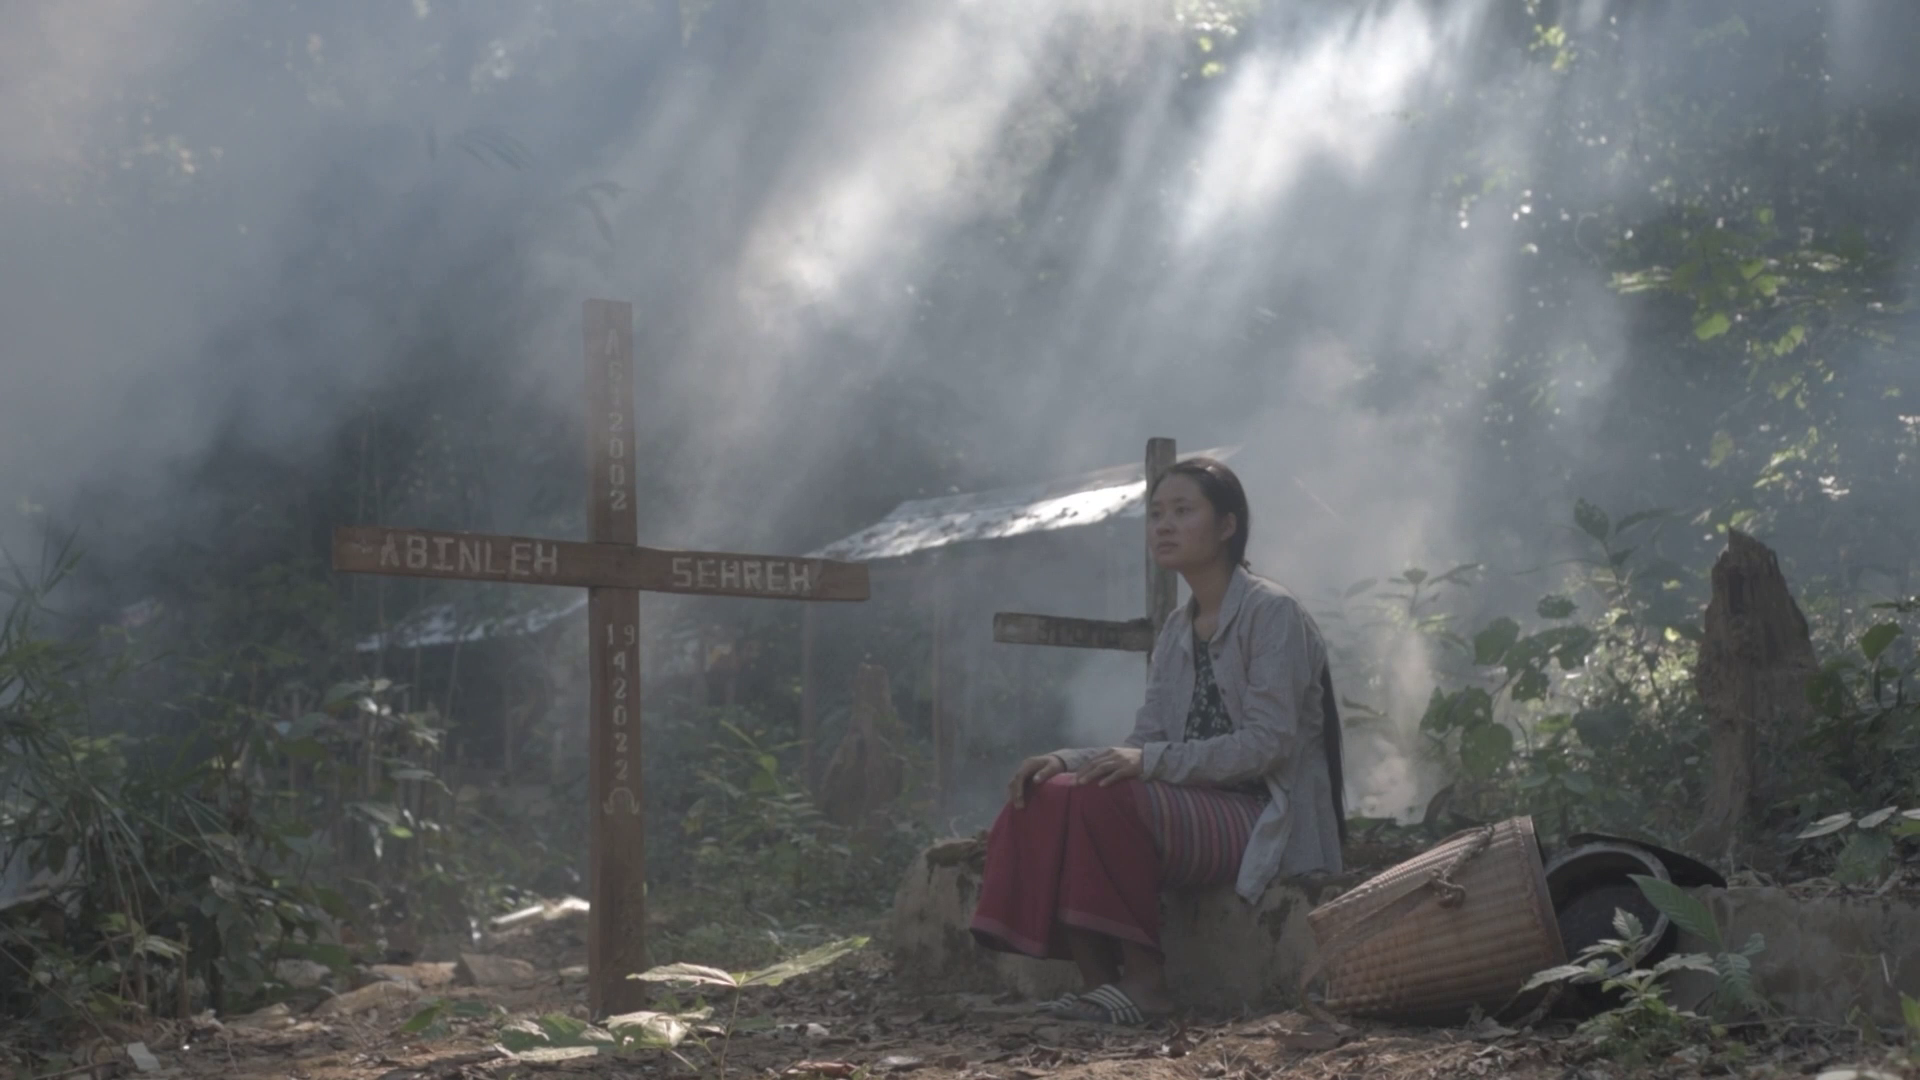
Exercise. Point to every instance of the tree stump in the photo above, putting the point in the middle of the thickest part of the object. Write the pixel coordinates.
(867, 771)
(1755, 660)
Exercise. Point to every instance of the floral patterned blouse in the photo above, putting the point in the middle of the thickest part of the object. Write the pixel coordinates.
(1207, 716)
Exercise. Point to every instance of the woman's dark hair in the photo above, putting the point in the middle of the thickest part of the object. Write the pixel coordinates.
(1224, 493)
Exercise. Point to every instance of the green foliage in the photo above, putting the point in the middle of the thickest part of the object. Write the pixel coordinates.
(1644, 1024)
(157, 876)
(756, 839)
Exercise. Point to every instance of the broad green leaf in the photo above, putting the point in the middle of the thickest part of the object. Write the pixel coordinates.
(809, 961)
(1637, 517)
(1591, 519)
(1485, 750)
(1877, 818)
(1827, 692)
(340, 693)
(1472, 707)
(1570, 645)
(1555, 607)
(688, 974)
(1826, 826)
(1875, 641)
(1721, 448)
(1910, 1011)
(1530, 686)
(1712, 326)
(1687, 911)
(520, 1036)
(1688, 962)
(1490, 644)
(1563, 973)
(424, 1019)
(1457, 574)
(564, 1029)
(1414, 576)
(1865, 858)
(1438, 719)
(164, 948)
(1627, 925)
(1577, 783)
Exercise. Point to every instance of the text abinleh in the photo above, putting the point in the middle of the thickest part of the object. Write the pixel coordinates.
(784, 577)
(522, 558)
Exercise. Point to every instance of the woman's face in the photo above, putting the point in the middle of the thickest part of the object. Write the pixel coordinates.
(1184, 531)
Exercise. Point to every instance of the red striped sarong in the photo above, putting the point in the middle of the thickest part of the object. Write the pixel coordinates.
(1095, 858)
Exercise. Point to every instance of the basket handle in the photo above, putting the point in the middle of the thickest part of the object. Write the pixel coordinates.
(1441, 882)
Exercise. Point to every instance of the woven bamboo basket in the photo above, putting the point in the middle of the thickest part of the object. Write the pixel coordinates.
(1464, 924)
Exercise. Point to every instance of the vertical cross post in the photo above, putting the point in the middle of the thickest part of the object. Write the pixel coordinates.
(1161, 586)
(617, 921)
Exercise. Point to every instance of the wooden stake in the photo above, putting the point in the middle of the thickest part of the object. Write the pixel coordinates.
(617, 921)
(809, 719)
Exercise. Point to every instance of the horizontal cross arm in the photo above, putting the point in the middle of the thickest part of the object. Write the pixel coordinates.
(1014, 628)
(373, 549)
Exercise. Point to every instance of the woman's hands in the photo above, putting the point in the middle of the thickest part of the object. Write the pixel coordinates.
(1111, 767)
(1107, 767)
(1034, 770)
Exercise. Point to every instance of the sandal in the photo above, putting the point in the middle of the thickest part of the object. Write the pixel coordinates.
(1108, 1005)
(1059, 1004)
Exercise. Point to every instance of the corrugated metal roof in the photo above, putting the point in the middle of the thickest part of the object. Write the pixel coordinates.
(926, 524)
(443, 624)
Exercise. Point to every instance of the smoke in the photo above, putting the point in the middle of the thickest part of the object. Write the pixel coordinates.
(1026, 235)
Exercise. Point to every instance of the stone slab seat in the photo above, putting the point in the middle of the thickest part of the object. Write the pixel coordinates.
(1221, 953)
(1830, 958)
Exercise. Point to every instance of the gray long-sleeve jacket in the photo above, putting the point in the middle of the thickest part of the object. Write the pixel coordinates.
(1267, 656)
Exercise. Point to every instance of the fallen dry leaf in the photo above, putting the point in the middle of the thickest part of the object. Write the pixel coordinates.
(380, 995)
(834, 1070)
(1312, 1041)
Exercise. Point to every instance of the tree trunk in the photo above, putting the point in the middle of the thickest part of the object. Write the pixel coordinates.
(1755, 659)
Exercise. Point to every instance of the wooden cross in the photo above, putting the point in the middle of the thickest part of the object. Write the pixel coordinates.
(1133, 635)
(614, 571)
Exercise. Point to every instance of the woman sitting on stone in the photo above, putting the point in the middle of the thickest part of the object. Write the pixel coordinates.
(1232, 772)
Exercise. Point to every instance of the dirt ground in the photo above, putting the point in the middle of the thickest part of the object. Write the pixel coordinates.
(848, 1021)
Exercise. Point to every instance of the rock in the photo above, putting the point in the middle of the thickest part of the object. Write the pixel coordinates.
(1220, 952)
(302, 974)
(142, 1057)
(380, 995)
(479, 969)
(426, 976)
(271, 1018)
